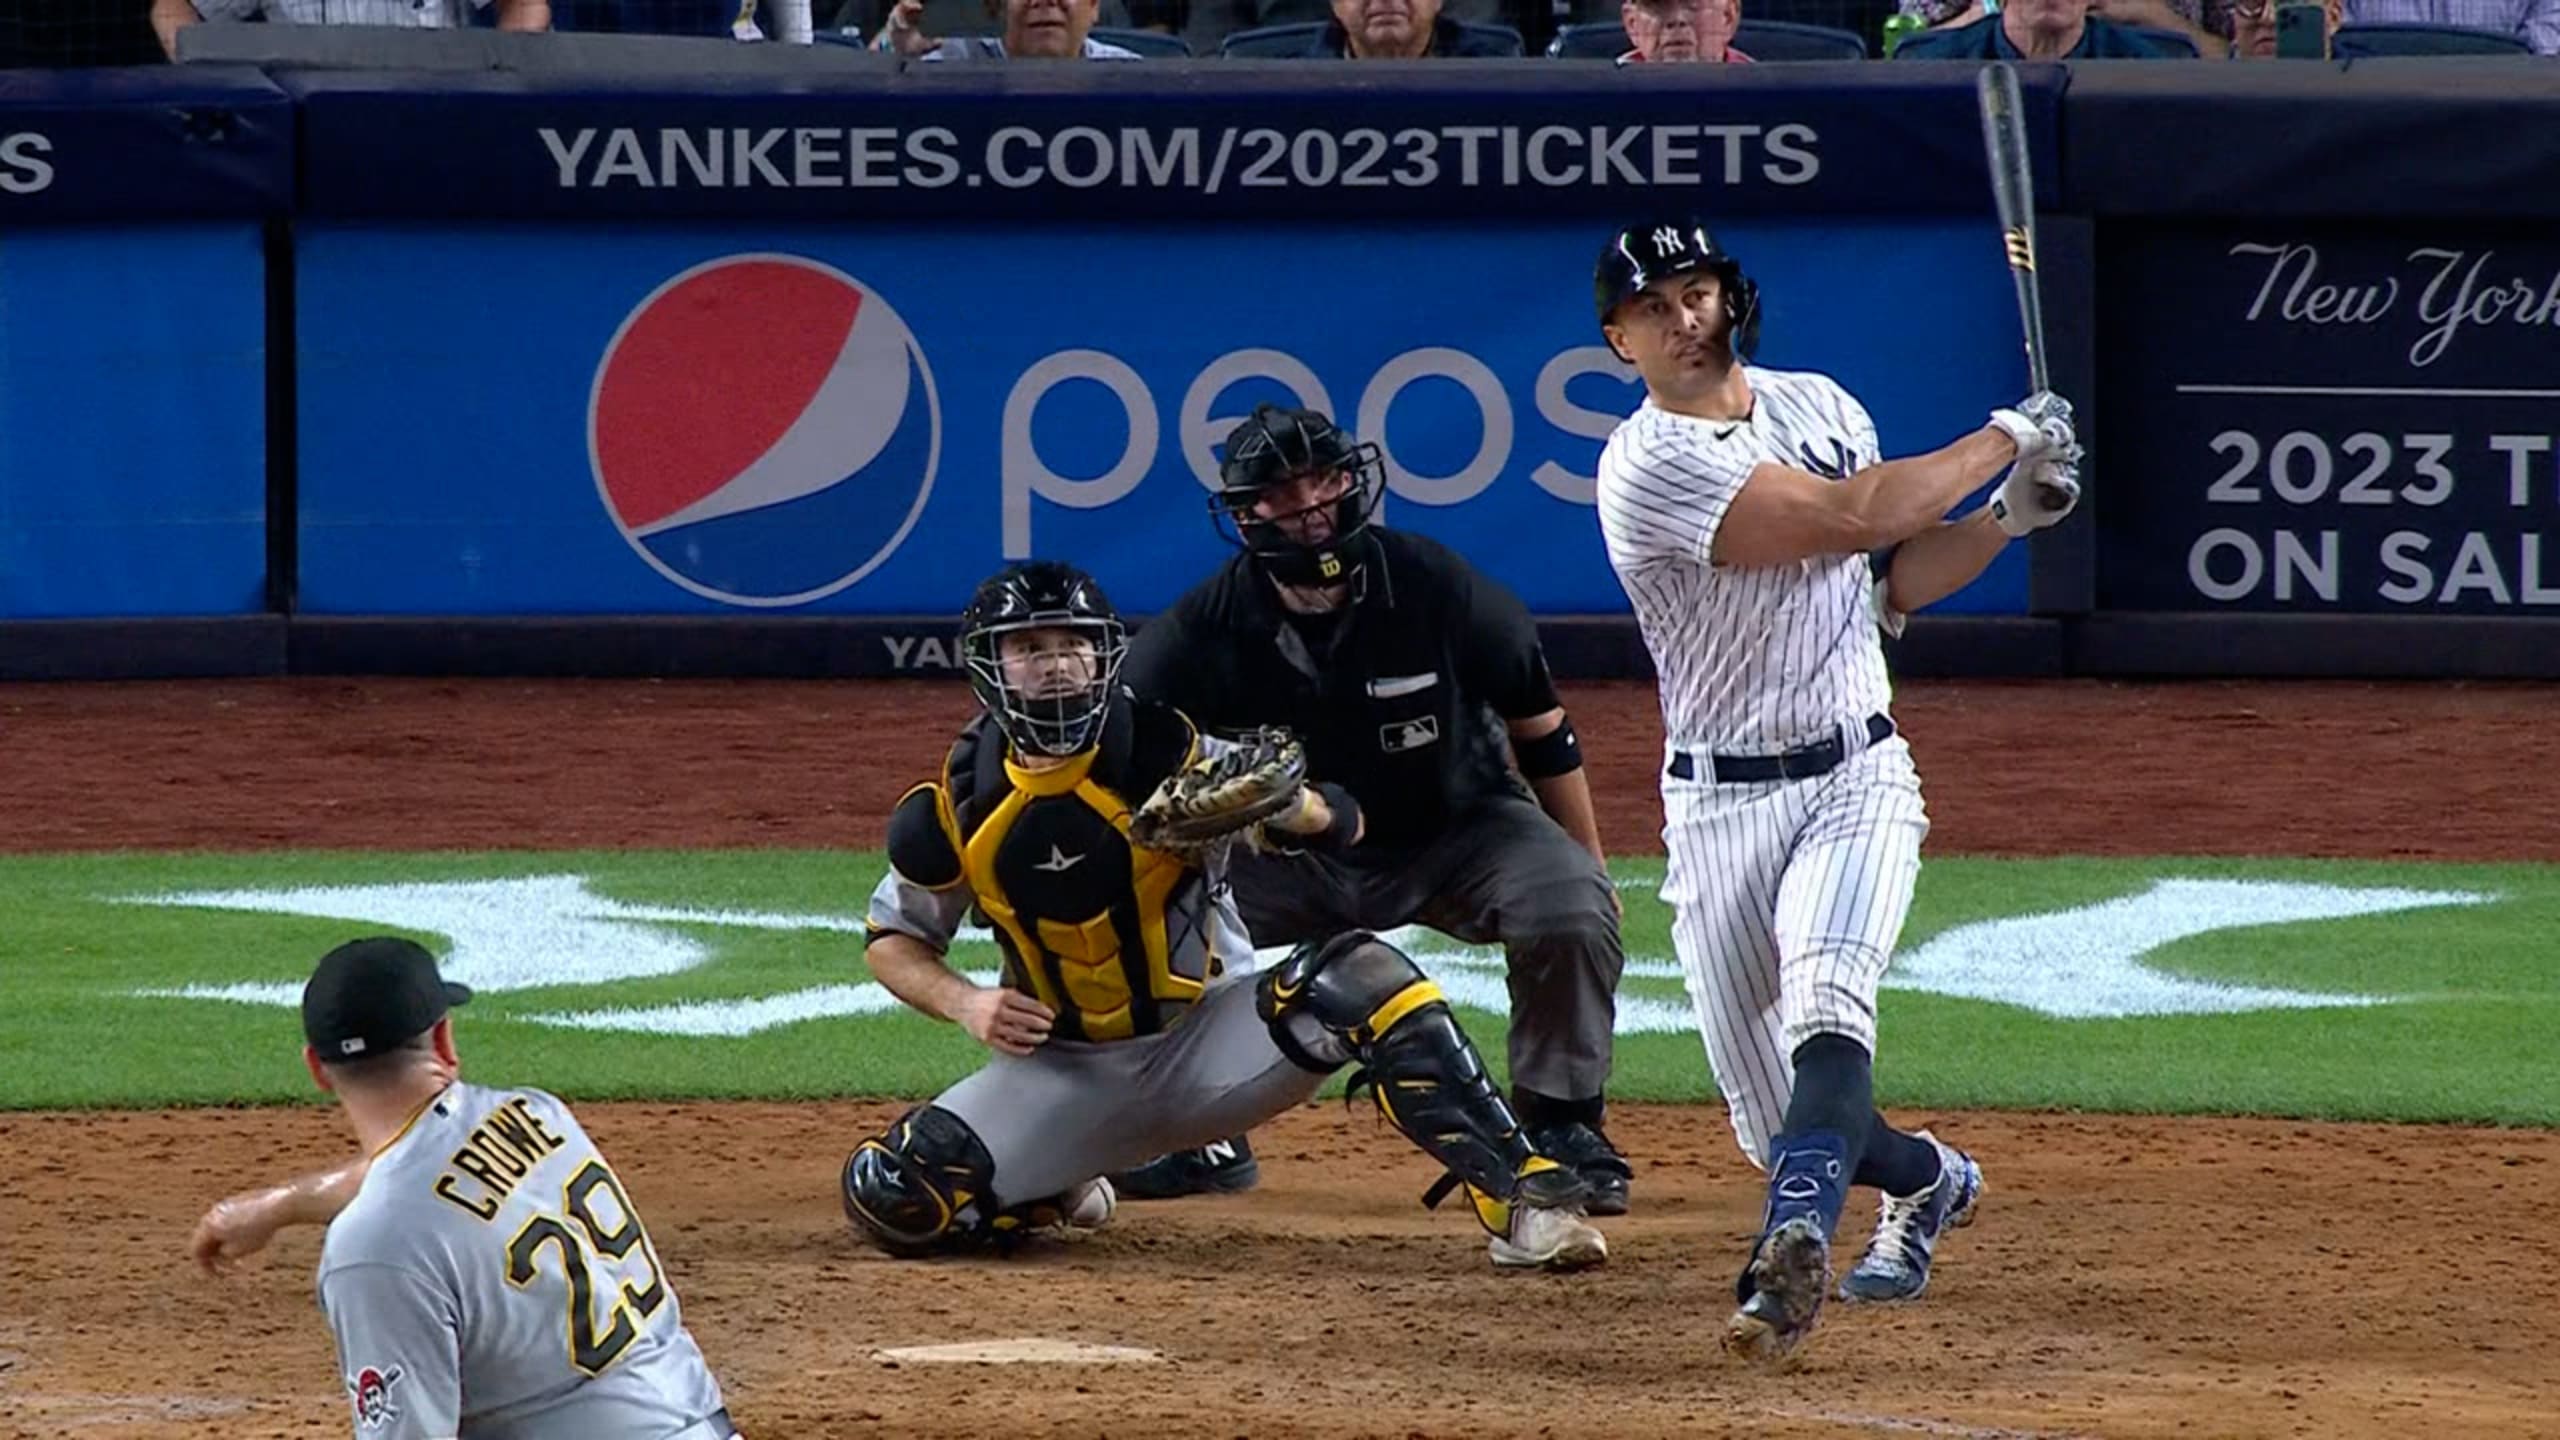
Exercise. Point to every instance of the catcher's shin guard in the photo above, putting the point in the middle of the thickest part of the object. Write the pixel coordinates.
(922, 1188)
(1424, 1072)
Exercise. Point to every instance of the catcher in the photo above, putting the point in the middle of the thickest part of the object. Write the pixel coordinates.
(1117, 1036)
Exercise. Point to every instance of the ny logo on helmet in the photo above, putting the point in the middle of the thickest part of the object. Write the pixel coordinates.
(1666, 238)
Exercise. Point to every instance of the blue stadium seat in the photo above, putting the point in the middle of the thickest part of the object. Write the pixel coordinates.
(1150, 43)
(650, 17)
(2177, 41)
(1595, 40)
(1269, 42)
(1789, 40)
(2366, 42)
(1266, 42)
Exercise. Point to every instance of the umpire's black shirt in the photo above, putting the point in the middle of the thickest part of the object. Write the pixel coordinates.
(1398, 696)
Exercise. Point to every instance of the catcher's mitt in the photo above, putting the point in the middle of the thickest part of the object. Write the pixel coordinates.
(1217, 797)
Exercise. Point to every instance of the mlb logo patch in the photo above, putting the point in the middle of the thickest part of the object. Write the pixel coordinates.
(1405, 735)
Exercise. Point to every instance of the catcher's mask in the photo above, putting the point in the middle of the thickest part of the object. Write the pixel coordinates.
(1273, 447)
(1052, 697)
(1641, 254)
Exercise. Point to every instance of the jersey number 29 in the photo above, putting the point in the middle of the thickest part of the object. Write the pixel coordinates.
(593, 1345)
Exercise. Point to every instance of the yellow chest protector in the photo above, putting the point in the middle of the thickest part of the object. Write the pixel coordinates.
(1109, 935)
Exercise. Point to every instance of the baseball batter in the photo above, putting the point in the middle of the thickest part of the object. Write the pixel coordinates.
(485, 1273)
(1117, 1035)
(1764, 544)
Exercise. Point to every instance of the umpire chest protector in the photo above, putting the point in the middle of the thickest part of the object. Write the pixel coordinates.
(1398, 697)
(1109, 935)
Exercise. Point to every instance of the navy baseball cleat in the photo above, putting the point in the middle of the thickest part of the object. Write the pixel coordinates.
(1896, 1266)
(1781, 1291)
(1586, 1152)
(1221, 1167)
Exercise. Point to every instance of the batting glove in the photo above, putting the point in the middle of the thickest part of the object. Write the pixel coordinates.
(2037, 493)
(2037, 424)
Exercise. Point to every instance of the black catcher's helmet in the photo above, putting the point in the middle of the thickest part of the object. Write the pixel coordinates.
(1642, 254)
(1274, 446)
(1058, 712)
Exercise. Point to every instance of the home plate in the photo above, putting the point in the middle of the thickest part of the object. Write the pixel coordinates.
(1018, 1352)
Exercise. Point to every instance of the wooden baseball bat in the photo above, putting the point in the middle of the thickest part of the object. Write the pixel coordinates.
(2004, 143)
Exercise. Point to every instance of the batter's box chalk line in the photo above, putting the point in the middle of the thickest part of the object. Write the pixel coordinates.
(1915, 1425)
(1031, 1350)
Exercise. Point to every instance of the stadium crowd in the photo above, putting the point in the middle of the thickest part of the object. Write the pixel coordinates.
(122, 32)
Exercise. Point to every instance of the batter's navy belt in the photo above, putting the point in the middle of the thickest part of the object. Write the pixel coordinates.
(1817, 759)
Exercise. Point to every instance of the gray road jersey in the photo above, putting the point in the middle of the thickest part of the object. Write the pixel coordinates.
(492, 1281)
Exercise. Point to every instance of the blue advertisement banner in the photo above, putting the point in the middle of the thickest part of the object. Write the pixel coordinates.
(2332, 419)
(514, 420)
(118, 144)
(132, 421)
(1217, 143)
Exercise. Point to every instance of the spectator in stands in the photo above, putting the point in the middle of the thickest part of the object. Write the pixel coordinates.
(168, 17)
(2037, 30)
(2535, 22)
(2252, 26)
(1398, 30)
(1033, 29)
(1671, 31)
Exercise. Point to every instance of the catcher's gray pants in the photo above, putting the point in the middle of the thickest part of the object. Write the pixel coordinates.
(1504, 873)
(1071, 1110)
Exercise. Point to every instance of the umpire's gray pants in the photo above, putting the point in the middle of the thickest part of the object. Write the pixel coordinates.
(1069, 1110)
(1503, 873)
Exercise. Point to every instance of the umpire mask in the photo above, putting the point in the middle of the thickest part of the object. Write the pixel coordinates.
(1043, 648)
(1296, 492)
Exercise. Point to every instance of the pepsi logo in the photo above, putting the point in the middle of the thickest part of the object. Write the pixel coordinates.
(764, 430)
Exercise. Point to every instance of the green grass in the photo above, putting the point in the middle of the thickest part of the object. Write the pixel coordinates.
(2474, 991)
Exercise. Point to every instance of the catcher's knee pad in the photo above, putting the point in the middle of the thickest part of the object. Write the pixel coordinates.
(1425, 1074)
(921, 1188)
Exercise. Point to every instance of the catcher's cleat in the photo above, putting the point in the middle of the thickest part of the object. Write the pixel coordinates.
(1896, 1265)
(1428, 1080)
(1221, 1167)
(1544, 1228)
(1585, 1151)
(1782, 1292)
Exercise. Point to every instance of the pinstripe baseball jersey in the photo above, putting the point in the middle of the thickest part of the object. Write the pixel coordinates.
(492, 1281)
(1751, 661)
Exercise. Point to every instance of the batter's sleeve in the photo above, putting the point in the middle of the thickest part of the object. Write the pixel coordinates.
(1499, 659)
(1674, 488)
(901, 905)
(399, 1351)
(1864, 450)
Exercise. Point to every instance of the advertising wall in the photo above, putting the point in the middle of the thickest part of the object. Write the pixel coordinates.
(545, 364)
(2334, 419)
(705, 418)
(133, 365)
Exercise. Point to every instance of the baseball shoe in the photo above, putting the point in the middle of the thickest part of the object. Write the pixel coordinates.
(1221, 1167)
(1896, 1265)
(1783, 1291)
(1549, 1237)
(1586, 1152)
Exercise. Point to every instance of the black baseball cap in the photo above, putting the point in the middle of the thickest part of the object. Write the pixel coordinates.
(370, 995)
